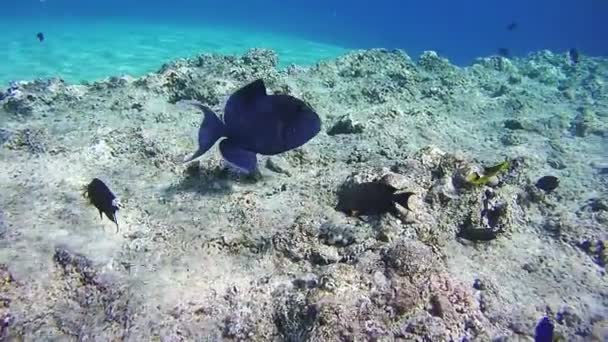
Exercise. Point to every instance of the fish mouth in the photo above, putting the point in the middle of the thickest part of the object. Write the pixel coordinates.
(116, 203)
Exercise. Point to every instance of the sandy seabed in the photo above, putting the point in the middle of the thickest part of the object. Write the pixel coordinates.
(204, 254)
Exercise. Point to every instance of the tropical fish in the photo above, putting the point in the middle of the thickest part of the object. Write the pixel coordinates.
(512, 26)
(478, 234)
(544, 330)
(547, 183)
(256, 123)
(574, 56)
(371, 198)
(488, 172)
(40, 36)
(103, 199)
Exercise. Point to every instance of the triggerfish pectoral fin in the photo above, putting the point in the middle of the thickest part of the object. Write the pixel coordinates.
(212, 128)
(238, 157)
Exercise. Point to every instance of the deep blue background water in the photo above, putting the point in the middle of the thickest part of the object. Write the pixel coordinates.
(460, 30)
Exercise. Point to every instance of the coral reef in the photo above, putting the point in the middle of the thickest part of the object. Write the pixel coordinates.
(204, 253)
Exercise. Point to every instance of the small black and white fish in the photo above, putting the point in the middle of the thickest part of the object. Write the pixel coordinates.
(371, 198)
(103, 199)
(256, 123)
(40, 36)
(574, 56)
(547, 183)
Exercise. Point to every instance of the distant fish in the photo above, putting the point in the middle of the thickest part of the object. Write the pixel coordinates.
(544, 330)
(371, 198)
(512, 26)
(40, 36)
(103, 199)
(256, 123)
(574, 56)
(504, 52)
(547, 183)
(477, 234)
(488, 173)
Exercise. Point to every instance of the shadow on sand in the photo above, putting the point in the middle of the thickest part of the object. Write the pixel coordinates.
(213, 181)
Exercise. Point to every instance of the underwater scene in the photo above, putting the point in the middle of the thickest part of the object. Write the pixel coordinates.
(264, 170)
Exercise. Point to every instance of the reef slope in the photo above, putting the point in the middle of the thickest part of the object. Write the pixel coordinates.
(206, 254)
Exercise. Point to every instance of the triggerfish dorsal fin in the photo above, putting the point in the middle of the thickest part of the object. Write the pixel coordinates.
(211, 129)
(244, 100)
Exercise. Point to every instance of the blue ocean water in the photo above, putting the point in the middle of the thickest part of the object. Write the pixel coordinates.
(131, 36)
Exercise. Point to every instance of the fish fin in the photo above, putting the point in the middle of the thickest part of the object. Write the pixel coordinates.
(249, 93)
(403, 198)
(112, 217)
(211, 129)
(244, 99)
(242, 159)
(115, 221)
(100, 214)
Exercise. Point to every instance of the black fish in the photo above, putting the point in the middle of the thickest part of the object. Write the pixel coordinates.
(512, 26)
(547, 183)
(544, 330)
(103, 199)
(504, 52)
(574, 56)
(372, 198)
(256, 123)
(468, 231)
(40, 36)
(478, 234)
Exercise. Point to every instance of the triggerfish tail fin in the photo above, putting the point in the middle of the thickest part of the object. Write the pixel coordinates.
(402, 199)
(243, 160)
(544, 330)
(211, 129)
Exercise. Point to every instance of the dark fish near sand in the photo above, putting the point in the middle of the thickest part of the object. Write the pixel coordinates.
(103, 199)
(372, 198)
(256, 123)
(547, 183)
(40, 36)
(544, 330)
(478, 234)
(574, 56)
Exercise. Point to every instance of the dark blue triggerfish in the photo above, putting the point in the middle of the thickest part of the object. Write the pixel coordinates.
(256, 123)
(544, 330)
